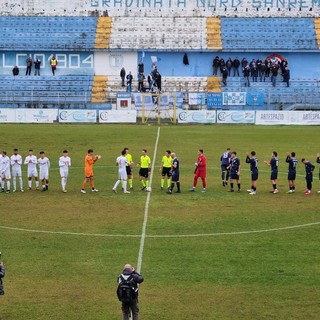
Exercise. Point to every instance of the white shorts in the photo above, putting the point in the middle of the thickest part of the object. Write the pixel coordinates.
(123, 174)
(6, 175)
(32, 172)
(44, 174)
(16, 171)
(64, 173)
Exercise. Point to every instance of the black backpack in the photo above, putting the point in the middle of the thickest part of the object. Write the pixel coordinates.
(127, 289)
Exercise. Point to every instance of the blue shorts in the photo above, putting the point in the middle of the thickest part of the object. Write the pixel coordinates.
(234, 176)
(274, 175)
(175, 177)
(291, 175)
(254, 175)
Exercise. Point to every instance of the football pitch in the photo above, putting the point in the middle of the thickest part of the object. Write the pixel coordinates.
(213, 255)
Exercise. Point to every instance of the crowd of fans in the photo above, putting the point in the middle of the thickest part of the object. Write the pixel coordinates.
(256, 69)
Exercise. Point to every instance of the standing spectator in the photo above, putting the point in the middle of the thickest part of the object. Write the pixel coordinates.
(244, 62)
(141, 78)
(273, 163)
(246, 74)
(89, 161)
(2, 274)
(44, 166)
(121, 163)
(15, 71)
(229, 66)
(254, 73)
(141, 67)
(267, 62)
(258, 63)
(64, 165)
(225, 162)
(5, 173)
(292, 161)
(37, 64)
(224, 73)
(234, 171)
(123, 76)
(145, 169)
(254, 172)
(166, 169)
(53, 64)
(129, 278)
(286, 76)
(252, 63)
(29, 65)
(175, 174)
(150, 82)
(129, 81)
(16, 162)
(274, 73)
(31, 161)
(157, 79)
(222, 64)
(309, 175)
(263, 72)
(236, 65)
(283, 66)
(215, 65)
(200, 171)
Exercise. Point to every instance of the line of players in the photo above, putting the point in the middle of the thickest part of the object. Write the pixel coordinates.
(230, 168)
(15, 162)
(169, 168)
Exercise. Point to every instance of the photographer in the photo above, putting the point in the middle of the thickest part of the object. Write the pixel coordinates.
(2, 273)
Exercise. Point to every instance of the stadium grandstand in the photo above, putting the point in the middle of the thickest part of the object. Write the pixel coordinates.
(93, 39)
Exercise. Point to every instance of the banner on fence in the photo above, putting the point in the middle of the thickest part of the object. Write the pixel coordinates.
(288, 117)
(197, 98)
(234, 98)
(28, 115)
(117, 116)
(200, 116)
(214, 100)
(235, 116)
(77, 116)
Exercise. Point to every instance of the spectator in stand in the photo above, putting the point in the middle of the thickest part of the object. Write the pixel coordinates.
(15, 71)
(283, 66)
(286, 75)
(246, 74)
(222, 64)
(274, 73)
(236, 65)
(225, 73)
(244, 62)
(157, 79)
(254, 73)
(129, 81)
(215, 65)
(263, 72)
(229, 66)
(258, 63)
(140, 67)
(252, 63)
(53, 64)
(141, 78)
(37, 64)
(29, 65)
(123, 76)
(267, 62)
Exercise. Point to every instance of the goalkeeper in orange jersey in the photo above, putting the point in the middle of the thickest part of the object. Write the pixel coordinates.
(89, 161)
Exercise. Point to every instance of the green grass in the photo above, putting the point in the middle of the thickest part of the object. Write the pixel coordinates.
(265, 275)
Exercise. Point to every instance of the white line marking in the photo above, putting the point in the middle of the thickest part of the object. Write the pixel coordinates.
(104, 235)
(146, 208)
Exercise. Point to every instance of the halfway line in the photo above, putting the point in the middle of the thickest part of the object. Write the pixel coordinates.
(146, 208)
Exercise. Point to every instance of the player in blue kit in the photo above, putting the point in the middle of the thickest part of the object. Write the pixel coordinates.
(234, 171)
(254, 172)
(292, 171)
(175, 174)
(273, 163)
(309, 175)
(225, 162)
(318, 161)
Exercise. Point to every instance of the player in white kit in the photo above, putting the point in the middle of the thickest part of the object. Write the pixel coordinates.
(122, 172)
(44, 166)
(16, 162)
(31, 161)
(64, 164)
(5, 171)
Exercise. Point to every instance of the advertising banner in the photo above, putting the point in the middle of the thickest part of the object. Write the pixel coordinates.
(197, 98)
(77, 116)
(214, 100)
(123, 100)
(288, 117)
(234, 98)
(235, 116)
(117, 116)
(7, 115)
(28, 115)
(196, 116)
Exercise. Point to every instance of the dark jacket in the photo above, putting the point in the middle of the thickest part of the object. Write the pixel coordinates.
(137, 278)
(122, 73)
(15, 71)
